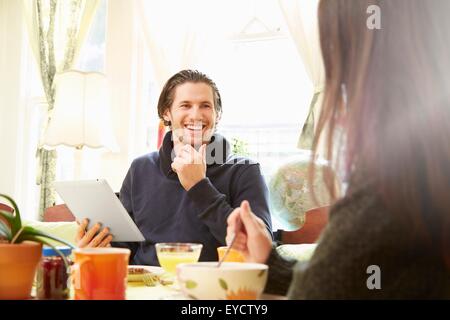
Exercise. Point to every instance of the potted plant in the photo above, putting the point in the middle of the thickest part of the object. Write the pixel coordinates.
(239, 147)
(20, 252)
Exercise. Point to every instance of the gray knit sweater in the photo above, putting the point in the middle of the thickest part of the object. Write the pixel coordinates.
(362, 233)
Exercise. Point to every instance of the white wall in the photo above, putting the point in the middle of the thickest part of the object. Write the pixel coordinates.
(16, 154)
(10, 92)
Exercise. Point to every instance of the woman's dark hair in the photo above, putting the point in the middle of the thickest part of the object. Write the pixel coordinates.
(397, 107)
(168, 92)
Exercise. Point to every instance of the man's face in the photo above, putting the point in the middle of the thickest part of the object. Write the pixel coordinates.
(192, 114)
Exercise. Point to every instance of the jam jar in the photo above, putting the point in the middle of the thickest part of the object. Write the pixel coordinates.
(52, 280)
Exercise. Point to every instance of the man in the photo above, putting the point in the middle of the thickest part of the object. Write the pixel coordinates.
(186, 190)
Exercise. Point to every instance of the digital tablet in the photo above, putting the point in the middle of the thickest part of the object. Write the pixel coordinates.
(95, 200)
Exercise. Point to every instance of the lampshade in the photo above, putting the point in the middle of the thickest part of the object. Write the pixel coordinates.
(81, 114)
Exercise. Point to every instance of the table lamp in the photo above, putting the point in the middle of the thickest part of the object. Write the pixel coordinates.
(81, 115)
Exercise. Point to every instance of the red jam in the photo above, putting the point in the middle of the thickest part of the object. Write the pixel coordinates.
(52, 277)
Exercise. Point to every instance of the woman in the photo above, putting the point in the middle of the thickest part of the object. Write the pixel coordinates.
(389, 236)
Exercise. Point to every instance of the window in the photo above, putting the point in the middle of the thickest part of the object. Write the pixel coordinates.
(92, 54)
(266, 93)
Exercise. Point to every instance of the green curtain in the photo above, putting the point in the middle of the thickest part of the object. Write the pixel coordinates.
(307, 135)
(46, 15)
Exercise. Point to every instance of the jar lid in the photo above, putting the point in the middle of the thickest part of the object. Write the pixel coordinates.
(49, 251)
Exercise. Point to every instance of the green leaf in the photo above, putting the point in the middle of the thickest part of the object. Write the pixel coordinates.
(5, 231)
(16, 222)
(7, 216)
(223, 284)
(190, 284)
(28, 230)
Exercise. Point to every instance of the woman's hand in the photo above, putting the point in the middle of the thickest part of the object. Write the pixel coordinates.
(92, 237)
(252, 237)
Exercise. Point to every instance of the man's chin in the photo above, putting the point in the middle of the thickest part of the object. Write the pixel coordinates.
(193, 141)
(193, 138)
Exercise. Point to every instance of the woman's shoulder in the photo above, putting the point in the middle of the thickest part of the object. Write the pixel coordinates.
(362, 232)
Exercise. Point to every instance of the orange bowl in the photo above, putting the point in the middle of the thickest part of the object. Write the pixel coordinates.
(233, 255)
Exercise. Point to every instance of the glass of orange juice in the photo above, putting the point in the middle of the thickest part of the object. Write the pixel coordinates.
(233, 255)
(174, 253)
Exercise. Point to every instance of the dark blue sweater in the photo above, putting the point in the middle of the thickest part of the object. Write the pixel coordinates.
(165, 212)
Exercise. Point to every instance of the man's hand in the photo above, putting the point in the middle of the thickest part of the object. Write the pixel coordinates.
(252, 237)
(190, 165)
(92, 237)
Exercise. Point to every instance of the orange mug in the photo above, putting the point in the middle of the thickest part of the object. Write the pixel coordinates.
(233, 255)
(100, 273)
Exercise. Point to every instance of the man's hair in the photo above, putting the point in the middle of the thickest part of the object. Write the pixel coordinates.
(168, 92)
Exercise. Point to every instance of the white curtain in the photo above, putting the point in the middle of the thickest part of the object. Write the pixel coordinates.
(301, 19)
(87, 11)
(15, 128)
(174, 34)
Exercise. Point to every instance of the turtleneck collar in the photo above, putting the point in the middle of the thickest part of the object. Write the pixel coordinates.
(217, 153)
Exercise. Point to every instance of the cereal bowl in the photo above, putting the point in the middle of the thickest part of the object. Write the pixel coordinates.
(230, 281)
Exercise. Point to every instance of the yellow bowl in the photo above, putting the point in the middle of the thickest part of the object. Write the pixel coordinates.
(233, 255)
(172, 254)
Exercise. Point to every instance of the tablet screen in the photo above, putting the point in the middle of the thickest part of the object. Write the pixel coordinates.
(96, 201)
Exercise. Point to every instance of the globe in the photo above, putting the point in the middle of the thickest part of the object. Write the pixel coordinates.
(290, 194)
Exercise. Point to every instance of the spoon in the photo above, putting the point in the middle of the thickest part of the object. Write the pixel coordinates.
(237, 228)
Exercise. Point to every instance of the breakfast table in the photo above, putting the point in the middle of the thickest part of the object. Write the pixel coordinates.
(137, 290)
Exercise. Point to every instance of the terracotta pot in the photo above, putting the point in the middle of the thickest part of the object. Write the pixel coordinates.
(18, 264)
